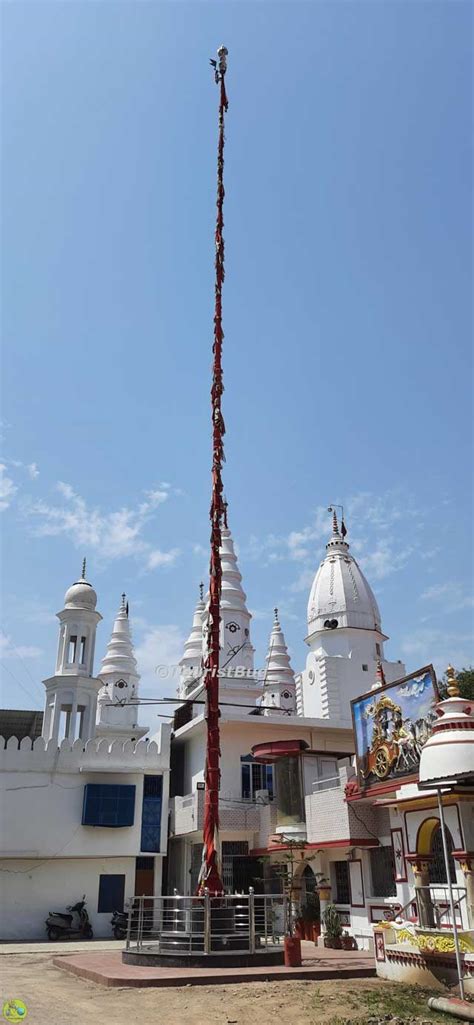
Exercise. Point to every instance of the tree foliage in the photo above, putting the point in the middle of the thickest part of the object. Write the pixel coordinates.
(465, 678)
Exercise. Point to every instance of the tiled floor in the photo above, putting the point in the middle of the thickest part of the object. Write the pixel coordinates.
(107, 969)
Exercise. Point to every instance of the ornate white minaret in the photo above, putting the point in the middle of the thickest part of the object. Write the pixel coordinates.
(191, 662)
(237, 679)
(116, 716)
(279, 683)
(71, 694)
(344, 636)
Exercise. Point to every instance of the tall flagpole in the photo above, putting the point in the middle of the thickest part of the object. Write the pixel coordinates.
(210, 876)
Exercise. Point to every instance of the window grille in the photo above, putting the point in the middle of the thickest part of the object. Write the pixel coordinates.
(343, 888)
(256, 777)
(231, 849)
(437, 866)
(382, 868)
(151, 813)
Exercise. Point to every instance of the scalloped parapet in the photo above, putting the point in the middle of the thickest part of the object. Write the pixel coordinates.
(39, 756)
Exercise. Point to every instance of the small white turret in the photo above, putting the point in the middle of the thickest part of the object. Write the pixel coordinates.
(118, 697)
(191, 662)
(71, 694)
(279, 684)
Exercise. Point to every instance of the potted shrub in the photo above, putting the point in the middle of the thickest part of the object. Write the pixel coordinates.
(310, 914)
(348, 941)
(333, 927)
(297, 921)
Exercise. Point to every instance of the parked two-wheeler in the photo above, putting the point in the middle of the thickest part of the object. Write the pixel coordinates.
(74, 922)
(119, 920)
(119, 923)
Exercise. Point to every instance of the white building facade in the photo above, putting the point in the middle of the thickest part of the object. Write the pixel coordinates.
(312, 710)
(84, 807)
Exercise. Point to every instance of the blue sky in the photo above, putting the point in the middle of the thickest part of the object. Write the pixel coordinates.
(346, 313)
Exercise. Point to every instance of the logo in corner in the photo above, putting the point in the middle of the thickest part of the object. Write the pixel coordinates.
(14, 1010)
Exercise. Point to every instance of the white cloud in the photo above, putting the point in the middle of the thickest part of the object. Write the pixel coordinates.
(303, 581)
(33, 470)
(112, 535)
(10, 650)
(384, 560)
(452, 595)
(8, 488)
(159, 558)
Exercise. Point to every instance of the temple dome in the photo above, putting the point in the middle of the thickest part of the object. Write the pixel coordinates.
(80, 595)
(448, 754)
(340, 594)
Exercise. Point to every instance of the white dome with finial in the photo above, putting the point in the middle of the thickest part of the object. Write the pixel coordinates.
(340, 595)
(448, 755)
(81, 594)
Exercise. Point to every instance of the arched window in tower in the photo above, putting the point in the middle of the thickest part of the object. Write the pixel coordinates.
(82, 657)
(437, 866)
(71, 657)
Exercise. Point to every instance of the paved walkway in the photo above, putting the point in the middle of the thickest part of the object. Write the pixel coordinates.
(107, 969)
(66, 947)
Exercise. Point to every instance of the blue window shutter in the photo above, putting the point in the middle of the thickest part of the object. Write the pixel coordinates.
(108, 804)
(151, 813)
(111, 893)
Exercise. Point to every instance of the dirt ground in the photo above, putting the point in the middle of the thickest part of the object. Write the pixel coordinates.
(53, 996)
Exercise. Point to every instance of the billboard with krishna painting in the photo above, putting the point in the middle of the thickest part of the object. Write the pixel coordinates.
(391, 726)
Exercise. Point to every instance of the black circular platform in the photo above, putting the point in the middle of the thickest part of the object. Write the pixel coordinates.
(152, 957)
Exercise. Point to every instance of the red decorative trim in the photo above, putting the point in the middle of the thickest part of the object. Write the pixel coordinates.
(399, 878)
(257, 852)
(274, 749)
(428, 960)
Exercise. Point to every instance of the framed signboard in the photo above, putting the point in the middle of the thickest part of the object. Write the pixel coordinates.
(399, 855)
(391, 726)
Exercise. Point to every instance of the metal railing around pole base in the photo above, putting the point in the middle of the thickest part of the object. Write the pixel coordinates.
(245, 923)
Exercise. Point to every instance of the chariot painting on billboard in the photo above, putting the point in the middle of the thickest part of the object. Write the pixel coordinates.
(391, 726)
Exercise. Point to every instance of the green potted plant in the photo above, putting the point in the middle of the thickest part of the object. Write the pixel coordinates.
(333, 927)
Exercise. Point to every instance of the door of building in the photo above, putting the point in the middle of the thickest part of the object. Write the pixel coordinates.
(144, 877)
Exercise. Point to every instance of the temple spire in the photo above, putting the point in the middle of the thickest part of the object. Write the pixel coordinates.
(279, 684)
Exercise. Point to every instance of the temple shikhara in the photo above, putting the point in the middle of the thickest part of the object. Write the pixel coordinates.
(334, 790)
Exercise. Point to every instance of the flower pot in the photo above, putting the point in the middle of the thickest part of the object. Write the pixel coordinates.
(347, 942)
(324, 892)
(337, 943)
(292, 948)
(328, 942)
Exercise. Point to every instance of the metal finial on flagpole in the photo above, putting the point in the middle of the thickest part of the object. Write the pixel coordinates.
(332, 508)
(83, 569)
